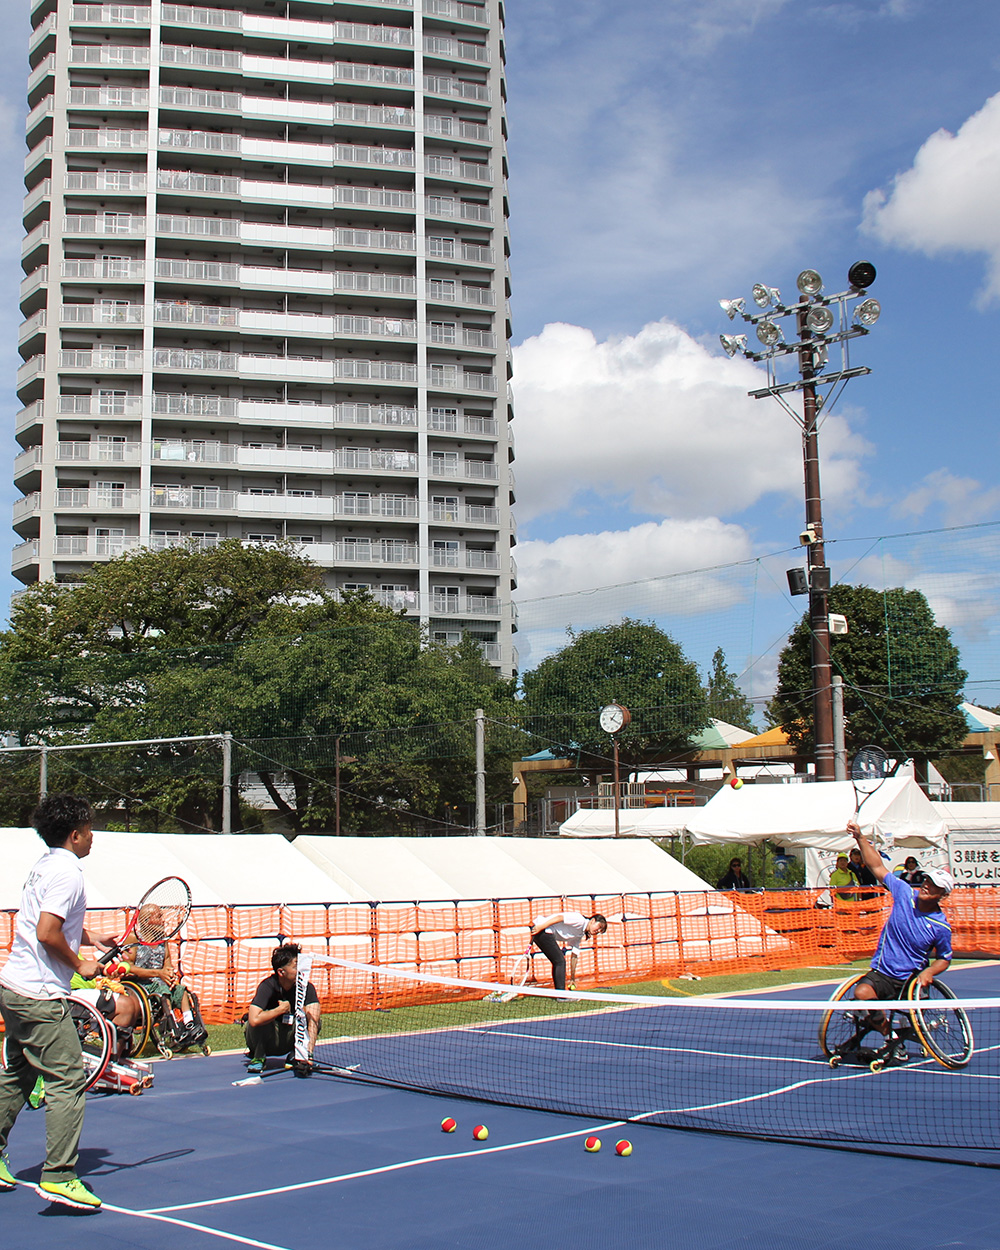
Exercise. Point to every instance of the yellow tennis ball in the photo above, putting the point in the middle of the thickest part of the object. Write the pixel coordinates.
(592, 1145)
(623, 1148)
(448, 1125)
(480, 1132)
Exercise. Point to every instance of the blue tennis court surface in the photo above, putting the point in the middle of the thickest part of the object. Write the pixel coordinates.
(199, 1162)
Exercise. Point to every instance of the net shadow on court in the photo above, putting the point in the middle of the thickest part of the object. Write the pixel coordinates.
(289, 1164)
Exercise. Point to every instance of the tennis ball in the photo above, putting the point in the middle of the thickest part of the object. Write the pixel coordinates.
(623, 1148)
(118, 968)
(448, 1125)
(592, 1145)
(480, 1132)
(736, 783)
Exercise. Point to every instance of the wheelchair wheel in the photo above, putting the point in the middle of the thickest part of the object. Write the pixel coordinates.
(141, 1032)
(97, 1038)
(943, 1029)
(837, 1027)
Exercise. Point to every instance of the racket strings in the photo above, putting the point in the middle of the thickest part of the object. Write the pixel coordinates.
(163, 910)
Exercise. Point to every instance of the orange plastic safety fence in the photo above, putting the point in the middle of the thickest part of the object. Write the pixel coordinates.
(225, 951)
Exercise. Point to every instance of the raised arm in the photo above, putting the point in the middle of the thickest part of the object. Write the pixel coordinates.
(872, 858)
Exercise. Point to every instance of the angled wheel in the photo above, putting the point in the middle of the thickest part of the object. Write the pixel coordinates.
(97, 1039)
(141, 1032)
(943, 1029)
(837, 1027)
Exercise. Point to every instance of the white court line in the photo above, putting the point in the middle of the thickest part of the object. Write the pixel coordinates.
(198, 1228)
(389, 1167)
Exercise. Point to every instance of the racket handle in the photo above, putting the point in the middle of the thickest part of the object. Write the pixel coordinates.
(109, 955)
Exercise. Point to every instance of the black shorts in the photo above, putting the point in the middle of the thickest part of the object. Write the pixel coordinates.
(885, 987)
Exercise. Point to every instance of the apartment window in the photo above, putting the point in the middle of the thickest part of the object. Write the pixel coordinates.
(441, 288)
(262, 490)
(395, 505)
(111, 446)
(445, 553)
(444, 507)
(110, 403)
(116, 266)
(357, 586)
(443, 332)
(261, 538)
(444, 419)
(393, 550)
(301, 492)
(444, 463)
(356, 503)
(159, 540)
(110, 494)
(445, 598)
(447, 637)
(437, 245)
(109, 542)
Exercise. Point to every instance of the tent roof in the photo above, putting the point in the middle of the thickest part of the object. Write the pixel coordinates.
(815, 815)
(633, 822)
(962, 817)
(775, 737)
(978, 719)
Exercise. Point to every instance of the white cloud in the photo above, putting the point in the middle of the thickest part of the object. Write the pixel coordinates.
(656, 421)
(947, 201)
(963, 500)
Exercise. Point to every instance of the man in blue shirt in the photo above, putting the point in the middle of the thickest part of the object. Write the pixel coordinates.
(916, 927)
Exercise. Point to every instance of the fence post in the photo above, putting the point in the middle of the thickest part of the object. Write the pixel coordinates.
(480, 772)
(227, 782)
(43, 771)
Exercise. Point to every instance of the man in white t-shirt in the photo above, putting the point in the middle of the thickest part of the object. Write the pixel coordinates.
(570, 927)
(41, 1035)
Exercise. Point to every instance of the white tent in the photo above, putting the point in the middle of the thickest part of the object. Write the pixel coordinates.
(816, 814)
(970, 817)
(633, 822)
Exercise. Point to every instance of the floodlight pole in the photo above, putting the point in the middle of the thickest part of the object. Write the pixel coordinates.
(819, 573)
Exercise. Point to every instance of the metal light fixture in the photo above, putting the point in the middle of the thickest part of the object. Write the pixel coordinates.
(809, 282)
(861, 275)
(769, 333)
(867, 312)
(819, 319)
(733, 343)
(765, 296)
(732, 306)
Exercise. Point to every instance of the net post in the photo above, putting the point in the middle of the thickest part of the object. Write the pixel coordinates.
(302, 975)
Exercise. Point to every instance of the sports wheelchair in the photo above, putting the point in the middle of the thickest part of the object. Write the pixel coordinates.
(925, 1019)
(158, 1020)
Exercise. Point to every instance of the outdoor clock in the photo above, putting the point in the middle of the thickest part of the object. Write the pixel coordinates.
(614, 717)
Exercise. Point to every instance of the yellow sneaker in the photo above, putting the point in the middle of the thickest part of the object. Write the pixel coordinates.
(7, 1181)
(72, 1193)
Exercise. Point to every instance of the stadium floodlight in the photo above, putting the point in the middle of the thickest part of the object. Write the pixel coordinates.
(732, 306)
(809, 282)
(769, 333)
(867, 312)
(819, 319)
(861, 275)
(733, 343)
(765, 296)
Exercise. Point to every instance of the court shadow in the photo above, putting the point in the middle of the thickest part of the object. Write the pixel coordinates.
(95, 1162)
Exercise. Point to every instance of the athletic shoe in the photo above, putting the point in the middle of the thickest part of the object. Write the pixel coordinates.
(37, 1095)
(7, 1182)
(72, 1193)
(898, 1053)
(255, 1067)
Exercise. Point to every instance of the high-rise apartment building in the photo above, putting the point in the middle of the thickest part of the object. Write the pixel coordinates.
(265, 294)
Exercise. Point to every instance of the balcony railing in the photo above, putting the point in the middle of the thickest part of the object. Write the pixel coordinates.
(197, 271)
(451, 377)
(194, 451)
(360, 280)
(194, 358)
(184, 180)
(443, 45)
(376, 370)
(375, 458)
(212, 227)
(188, 98)
(106, 223)
(112, 140)
(207, 58)
(199, 140)
(102, 314)
(362, 33)
(94, 546)
(353, 153)
(102, 54)
(109, 97)
(200, 498)
(118, 14)
(183, 14)
(376, 115)
(167, 404)
(100, 405)
(375, 505)
(440, 84)
(98, 499)
(445, 124)
(105, 180)
(180, 312)
(99, 452)
(108, 268)
(455, 167)
(447, 291)
(387, 74)
(372, 551)
(110, 358)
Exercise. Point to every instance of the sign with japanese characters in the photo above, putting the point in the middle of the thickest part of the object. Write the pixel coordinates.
(975, 857)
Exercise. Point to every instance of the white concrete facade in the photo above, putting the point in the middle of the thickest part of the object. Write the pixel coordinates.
(265, 295)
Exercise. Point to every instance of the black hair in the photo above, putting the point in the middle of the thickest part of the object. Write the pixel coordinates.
(282, 956)
(601, 919)
(59, 815)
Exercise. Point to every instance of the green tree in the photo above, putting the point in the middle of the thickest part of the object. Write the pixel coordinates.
(633, 663)
(902, 675)
(726, 701)
(187, 642)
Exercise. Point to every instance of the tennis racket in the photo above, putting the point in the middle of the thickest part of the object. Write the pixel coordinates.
(869, 769)
(161, 912)
(518, 977)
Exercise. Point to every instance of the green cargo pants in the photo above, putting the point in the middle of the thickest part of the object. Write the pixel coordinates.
(41, 1038)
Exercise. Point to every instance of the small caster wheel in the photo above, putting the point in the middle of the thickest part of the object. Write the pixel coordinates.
(835, 1061)
(166, 1052)
(877, 1065)
(206, 1050)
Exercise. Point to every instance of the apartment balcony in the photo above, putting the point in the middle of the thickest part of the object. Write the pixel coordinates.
(448, 465)
(108, 140)
(374, 551)
(26, 506)
(448, 206)
(385, 75)
(24, 554)
(40, 152)
(199, 140)
(453, 167)
(107, 269)
(32, 281)
(366, 459)
(445, 46)
(32, 325)
(30, 370)
(121, 225)
(469, 605)
(322, 416)
(447, 291)
(94, 546)
(195, 360)
(42, 70)
(108, 97)
(166, 404)
(445, 85)
(187, 451)
(102, 359)
(34, 239)
(187, 15)
(469, 514)
(454, 8)
(110, 14)
(452, 378)
(109, 314)
(27, 460)
(179, 312)
(99, 451)
(198, 271)
(456, 559)
(359, 32)
(43, 109)
(99, 405)
(186, 182)
(483, 560)
(444, 334)
(105, 181)
(453, 423)
(446, 125)
(189, 98)
(201, 58)
(96, 500)
(123, 56)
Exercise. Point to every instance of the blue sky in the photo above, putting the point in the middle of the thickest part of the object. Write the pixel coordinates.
(663, 155)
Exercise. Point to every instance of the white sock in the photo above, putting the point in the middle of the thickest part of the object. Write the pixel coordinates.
(187, 1017)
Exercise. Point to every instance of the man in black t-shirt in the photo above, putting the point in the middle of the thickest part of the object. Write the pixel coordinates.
(270, 1023)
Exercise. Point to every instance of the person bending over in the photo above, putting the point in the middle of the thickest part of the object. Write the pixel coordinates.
(270, 1025)
(916, 927)
(571, 927)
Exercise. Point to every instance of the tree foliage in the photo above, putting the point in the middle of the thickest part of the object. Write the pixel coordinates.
(188, 642)
(902, 675)
(726, 701)
(633, 663)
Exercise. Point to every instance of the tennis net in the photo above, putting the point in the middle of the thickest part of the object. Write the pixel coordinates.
(790, 1069)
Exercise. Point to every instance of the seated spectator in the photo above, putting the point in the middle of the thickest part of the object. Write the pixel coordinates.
(910, 872)
(270, 1023)
(735, 878)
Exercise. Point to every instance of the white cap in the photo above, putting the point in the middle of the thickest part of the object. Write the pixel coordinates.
(940, 877)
